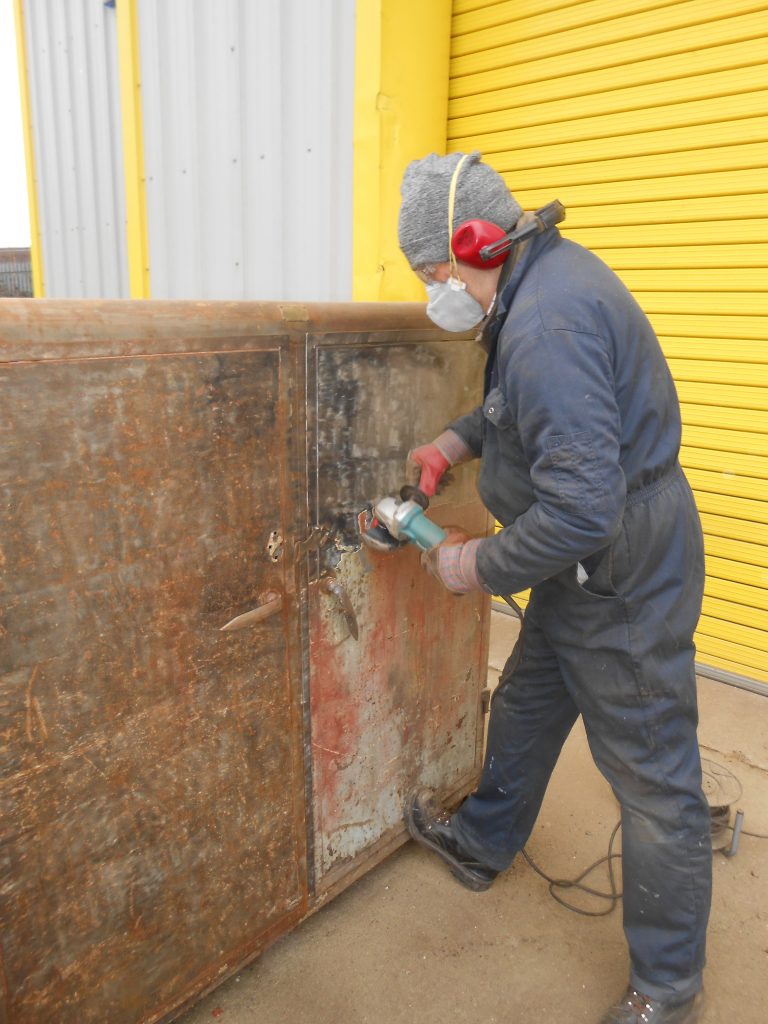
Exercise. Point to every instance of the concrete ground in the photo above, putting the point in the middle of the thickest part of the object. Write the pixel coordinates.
(408, 945)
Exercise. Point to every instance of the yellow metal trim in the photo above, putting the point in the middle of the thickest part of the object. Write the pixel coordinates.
(756, 661)
(753, 556)
(133, 148)
(730, 666)
(738, 593)
(719, 234)
(400, 114)
(473, 93)
(738, 350)
(722, 395)
(727, 463)
(735, 632)
(703, 256)
(658, 189)
(747, 420)
(729, 484)
(724, 439)
(728, 528)
(677, 28)
(550, 124)
(726, 505)
(594, 97)
(731, 133)
(36, 245)
(727, 611)
(604, 214)
(714, 303)
(641, 145)
(496, 17)
(706, 371)
(629, 168)
(690, 325)
(754, 576)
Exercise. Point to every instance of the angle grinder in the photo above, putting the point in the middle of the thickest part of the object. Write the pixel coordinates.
(393, 521)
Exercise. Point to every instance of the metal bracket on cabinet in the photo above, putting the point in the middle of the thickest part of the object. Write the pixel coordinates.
(318, 537)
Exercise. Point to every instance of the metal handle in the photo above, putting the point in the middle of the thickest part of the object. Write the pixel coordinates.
(271, 602)
(330, 585)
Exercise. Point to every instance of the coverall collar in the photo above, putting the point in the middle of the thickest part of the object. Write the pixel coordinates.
(512, 274)
(510, 280)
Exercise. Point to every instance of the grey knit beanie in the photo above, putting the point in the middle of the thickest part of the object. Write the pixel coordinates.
(480, 194)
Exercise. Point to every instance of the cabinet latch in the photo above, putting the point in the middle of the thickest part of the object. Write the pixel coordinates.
(318, 537)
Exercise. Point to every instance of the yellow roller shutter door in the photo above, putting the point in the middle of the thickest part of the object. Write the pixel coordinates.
(649, 120)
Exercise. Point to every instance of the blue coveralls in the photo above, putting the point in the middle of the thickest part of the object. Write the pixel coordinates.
(579, 436)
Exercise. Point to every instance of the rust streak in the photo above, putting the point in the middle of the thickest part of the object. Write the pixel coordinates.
(4, 979)
(40, 719)
(28, 702)
(328, 750)
(354, 824)
(94, 766)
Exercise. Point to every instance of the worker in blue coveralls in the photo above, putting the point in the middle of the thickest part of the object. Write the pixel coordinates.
(578, 437)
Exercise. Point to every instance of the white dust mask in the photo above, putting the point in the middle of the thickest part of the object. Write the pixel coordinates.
(451, 306)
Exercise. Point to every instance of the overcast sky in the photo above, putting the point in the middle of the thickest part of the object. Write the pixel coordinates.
(14, 212)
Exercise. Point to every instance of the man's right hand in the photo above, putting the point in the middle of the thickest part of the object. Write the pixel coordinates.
(426, 465)
(425, 468)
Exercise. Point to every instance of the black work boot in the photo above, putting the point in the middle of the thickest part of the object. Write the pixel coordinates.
(635, 1008)
(430, 826)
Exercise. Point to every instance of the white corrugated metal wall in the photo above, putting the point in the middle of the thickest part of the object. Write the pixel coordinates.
(75, 113)
(649, 120)
(248, 108)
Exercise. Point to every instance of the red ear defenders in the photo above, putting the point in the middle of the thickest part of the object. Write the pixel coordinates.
(471, 237)
(485, 245)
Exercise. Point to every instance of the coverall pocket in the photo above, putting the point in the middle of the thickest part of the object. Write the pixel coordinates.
(606, 570)
(599, 583)
(501, 417)
(579, 484)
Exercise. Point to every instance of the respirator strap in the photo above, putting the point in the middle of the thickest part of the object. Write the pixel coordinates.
(451, 204)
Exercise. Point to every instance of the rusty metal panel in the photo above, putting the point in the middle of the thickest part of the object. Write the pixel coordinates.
(152, 821)
(400, 705)
(174, 797)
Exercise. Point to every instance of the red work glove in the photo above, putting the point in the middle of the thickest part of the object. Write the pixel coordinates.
(427, 464)
(454, 562)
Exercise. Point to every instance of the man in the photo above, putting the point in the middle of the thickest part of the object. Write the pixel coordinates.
(578, 435)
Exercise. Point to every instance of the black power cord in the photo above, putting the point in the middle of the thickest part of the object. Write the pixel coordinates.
(613, 896)
(754, 835)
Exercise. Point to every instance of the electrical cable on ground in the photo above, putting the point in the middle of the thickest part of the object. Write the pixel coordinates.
(712, 771)
(613, 896)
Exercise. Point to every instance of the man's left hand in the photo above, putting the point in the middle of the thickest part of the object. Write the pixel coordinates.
(454, 562)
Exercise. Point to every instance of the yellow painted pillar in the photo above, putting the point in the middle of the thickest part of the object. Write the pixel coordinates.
(36, 246)
(133, 148)
(401, 113)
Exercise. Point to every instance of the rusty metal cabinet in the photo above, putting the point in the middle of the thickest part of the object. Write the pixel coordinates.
(174, 797)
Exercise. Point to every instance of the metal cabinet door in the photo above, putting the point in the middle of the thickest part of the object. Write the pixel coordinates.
(151, 786)
(401, 704)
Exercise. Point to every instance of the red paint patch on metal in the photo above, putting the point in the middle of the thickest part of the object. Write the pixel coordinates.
(398, 708)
